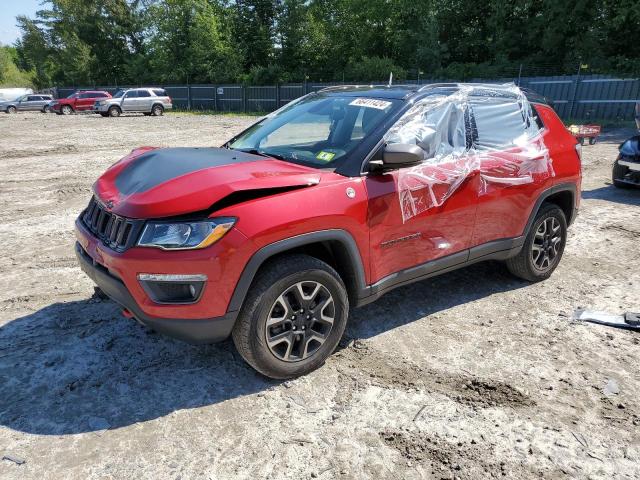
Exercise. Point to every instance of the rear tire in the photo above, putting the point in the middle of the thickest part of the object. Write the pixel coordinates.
(293, 317)
(592, 140)
(619, 171)
(66, 110)
(543, 247)
(157, 110)
(114, 111)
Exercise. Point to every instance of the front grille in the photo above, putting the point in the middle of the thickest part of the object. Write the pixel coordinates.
(116, 232)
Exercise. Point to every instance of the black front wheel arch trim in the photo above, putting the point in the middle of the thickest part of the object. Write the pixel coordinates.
(265, 253)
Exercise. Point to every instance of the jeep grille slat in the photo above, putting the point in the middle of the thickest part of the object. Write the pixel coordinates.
(116, 232)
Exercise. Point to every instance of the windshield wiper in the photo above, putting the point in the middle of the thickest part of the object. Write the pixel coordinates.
(255, 151)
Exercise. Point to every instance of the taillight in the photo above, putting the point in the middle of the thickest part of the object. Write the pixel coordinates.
(169, 99)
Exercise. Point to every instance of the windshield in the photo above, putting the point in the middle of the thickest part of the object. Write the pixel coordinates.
(316, 131)
(73, 95)
(119, 93)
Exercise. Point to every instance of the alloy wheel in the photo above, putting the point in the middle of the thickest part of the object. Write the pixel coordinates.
(546, 243)
(300, 321)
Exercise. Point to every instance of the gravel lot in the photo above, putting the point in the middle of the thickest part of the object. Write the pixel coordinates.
(470, 375)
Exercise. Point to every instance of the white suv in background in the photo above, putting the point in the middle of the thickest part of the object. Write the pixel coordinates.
(150, 101)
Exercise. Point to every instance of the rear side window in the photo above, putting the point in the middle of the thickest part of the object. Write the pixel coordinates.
(143, 93)
(501, 123)
(159, 92)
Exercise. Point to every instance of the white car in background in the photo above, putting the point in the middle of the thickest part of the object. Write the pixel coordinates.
(10, 94)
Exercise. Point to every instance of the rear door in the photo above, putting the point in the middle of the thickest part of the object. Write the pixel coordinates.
(144, 101)
(84, 102)
(515, 167)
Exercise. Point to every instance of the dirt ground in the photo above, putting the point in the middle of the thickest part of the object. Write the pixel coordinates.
(470, 375)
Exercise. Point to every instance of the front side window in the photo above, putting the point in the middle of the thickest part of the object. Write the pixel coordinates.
(318, 131)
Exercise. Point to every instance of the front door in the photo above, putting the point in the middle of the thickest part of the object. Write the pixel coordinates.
(405, 234)
(130, 101)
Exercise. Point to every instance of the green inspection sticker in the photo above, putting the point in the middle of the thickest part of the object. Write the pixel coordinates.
(325, 156)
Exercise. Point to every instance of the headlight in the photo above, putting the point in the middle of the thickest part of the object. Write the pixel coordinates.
(185, 235)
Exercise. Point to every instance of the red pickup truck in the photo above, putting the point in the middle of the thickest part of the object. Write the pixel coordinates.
(325, 205)
(80, 101)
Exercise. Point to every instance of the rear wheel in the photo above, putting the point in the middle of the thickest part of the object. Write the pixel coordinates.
(157, 110)
(12, 109)
(618, 173)
(114, 111)
(592, 140)
(543, 247)
(293, 317)
(66, 110)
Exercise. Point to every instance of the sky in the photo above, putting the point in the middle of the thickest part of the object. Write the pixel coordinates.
(9, 33)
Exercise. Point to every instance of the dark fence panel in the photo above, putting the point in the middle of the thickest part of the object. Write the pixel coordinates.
(574, 97)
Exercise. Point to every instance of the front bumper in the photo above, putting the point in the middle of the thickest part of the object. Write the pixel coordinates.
(196, 331)
(101, 108)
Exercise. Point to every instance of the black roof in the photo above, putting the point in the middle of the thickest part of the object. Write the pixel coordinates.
(407, 91)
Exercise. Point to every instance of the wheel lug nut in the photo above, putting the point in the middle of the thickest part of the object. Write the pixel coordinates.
(303, 327)
(293, 317)
(294, 327)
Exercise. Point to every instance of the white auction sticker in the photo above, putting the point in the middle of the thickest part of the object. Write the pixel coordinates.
(370, 103)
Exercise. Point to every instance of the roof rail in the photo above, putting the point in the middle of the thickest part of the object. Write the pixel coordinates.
(372, 85)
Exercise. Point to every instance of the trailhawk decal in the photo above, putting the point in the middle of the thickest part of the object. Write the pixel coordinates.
(371, 103)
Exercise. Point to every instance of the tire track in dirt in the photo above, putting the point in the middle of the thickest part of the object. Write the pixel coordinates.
(360, 366)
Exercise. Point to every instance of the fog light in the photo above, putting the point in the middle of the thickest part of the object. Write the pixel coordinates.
(173, 288)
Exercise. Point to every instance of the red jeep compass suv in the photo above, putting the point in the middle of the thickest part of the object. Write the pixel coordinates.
(325, 205)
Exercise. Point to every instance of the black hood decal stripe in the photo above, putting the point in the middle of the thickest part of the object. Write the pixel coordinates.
(158, 166)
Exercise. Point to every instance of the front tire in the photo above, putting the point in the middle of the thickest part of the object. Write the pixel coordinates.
(66, 110)
(46, 109)
(12, 109)
(543, 247)
(114, 111)
(293, 317)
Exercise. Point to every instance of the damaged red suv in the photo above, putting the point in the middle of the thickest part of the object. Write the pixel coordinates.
(325, 205)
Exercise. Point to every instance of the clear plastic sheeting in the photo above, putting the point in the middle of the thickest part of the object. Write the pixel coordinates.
(466, 129)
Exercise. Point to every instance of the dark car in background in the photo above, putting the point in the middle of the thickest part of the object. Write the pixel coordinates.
(33, 102)
(626, 168)
(80, 101)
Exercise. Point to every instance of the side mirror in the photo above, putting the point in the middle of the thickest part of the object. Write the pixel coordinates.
(398, 155)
